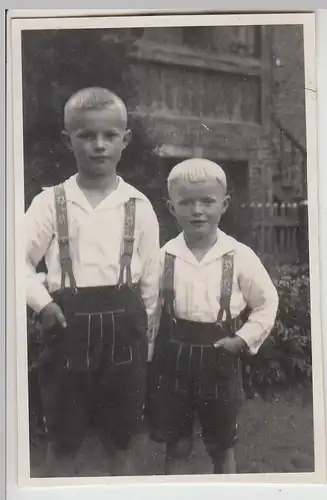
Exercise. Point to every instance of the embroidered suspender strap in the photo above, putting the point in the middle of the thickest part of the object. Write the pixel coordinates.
(128, 243)
(168, 283)
(63, 236)
(226, 287)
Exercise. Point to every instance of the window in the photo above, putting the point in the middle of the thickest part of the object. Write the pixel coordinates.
(240, 40)
(196, 37)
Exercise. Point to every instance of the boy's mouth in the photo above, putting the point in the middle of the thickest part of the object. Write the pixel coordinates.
(99, 158)
(198, 222)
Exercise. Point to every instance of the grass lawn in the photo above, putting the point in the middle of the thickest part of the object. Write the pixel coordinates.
(275, 435)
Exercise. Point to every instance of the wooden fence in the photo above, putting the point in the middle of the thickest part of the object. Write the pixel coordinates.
(277, 232)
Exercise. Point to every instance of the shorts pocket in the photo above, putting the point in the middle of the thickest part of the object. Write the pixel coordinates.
(226, 364)
(208, 376)
(121, 351)
(50, 346)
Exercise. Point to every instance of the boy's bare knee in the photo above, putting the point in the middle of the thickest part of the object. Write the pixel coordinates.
(219, 447)
(224, 462)
(181, 448)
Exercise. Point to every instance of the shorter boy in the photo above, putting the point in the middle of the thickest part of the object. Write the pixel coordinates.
(218, 301)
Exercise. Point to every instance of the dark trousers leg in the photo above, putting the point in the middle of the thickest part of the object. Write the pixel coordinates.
(65, 401)
(218, 418)
(119, 397)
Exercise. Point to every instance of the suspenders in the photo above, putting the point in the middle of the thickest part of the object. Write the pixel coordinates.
(63, 237)
(128, 244)
(225, 287)
(63, 240)
(168, 283)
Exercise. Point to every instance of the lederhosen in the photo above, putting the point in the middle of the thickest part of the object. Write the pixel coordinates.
(190, 375)
(95, 368)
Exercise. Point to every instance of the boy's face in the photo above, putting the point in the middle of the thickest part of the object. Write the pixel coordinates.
(97, 137)
(198, 206)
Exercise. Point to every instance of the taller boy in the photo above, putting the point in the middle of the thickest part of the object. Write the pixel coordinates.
(100, 239)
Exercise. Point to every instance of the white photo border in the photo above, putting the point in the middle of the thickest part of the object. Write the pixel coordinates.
(15, 189)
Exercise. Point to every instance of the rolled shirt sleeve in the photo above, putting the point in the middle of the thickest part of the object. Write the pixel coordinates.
(261, 296)
(39, 230)
(149, 252)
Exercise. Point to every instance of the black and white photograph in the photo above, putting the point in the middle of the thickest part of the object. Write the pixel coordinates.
(166, 248)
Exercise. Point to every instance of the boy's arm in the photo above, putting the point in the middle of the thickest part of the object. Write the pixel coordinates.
(261, 296)
(149, 252)
(39, 230)
(155, 321)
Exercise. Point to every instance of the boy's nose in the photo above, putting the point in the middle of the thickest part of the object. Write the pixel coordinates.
(99, 144)
(197, 208)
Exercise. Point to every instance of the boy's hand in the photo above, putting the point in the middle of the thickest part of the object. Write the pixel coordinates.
(150, 351)
(235, 345)
(52, 315)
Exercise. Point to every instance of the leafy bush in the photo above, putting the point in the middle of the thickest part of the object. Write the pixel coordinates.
(284, 360)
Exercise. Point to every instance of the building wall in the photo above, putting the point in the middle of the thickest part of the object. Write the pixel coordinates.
(206, 92)
(289, 93)
(289, 107)
(211, 92)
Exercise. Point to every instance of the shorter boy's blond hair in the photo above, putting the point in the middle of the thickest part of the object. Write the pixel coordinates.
(197, 170)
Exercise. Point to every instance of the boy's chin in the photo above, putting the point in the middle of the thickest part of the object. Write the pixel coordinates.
(199, 231)
(98, 170)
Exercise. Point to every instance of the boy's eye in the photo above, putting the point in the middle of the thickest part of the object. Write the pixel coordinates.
(110, 135)
(85, 135)
(208, 201)
(205, 201)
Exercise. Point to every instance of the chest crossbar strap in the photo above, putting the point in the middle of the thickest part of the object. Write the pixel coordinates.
(63, 236)
(226, 288)
(128, 244)
(225, 292)
(168, 283)
(168, 291)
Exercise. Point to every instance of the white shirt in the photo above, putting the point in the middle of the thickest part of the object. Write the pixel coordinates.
(197, 287)
(96, 236)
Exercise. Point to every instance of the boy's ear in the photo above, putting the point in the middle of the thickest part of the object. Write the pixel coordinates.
(127, 138)
(66, 140)
(170, 207)
(226, 203)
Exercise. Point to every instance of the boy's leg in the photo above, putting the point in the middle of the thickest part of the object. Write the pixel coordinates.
(64, 396)
(218, 419)
(225, 462)
(119, 407)
(177, 454)
(59, 465)
(179, 422)
(171, 415)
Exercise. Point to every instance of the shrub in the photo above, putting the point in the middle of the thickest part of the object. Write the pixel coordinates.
(284, 360)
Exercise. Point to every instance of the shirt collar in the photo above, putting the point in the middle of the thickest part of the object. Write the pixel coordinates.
(119, 196)
(223, 245)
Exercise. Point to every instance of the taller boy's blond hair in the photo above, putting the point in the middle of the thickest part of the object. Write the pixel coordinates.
(92, 98)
